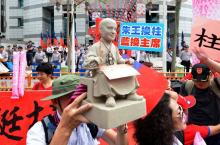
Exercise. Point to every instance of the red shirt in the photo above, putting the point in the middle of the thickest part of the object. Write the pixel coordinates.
(190, 132)
(39, 86)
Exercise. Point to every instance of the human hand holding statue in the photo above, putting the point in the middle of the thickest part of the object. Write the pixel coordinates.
(72, 115)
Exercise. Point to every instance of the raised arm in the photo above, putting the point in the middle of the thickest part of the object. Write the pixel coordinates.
(116, 138)
(213, 65)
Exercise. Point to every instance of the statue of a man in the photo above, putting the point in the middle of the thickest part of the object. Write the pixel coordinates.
(104, 52)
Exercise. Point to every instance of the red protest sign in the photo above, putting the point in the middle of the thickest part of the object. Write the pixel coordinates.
(206, 37)
(17, 116)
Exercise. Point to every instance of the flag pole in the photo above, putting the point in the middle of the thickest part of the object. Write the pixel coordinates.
(73, 39)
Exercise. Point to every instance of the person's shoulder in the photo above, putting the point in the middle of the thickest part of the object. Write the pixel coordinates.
(5, 52)
(36, 129)
(36, 86)
(37, 126)
(36, 134)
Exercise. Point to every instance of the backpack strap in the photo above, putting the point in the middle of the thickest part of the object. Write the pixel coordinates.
(93, 129)
(215, 86)
(189, 86)
(180, 136)
(49, 126)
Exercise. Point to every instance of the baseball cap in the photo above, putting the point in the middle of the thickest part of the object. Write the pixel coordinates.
(63, 85)
(200, 72)
(186, 102)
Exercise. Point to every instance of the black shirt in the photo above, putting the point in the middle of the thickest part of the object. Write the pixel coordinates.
(205, 112)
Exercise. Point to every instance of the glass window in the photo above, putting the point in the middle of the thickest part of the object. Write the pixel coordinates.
(20, 22)
(20, 3)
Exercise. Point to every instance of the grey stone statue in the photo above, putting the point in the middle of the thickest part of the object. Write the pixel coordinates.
(104, 52)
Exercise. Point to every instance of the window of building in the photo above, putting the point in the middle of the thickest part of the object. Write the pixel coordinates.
(20, 22)
(20, 3)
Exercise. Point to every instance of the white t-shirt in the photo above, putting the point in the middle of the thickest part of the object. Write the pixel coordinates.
(176, 141)
(50, 49)
(169, 56)
(36, 135)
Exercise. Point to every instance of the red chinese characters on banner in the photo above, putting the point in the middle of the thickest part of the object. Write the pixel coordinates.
(17, 116)
(138, 42)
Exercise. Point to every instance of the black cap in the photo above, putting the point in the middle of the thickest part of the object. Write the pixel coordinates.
(200, 72)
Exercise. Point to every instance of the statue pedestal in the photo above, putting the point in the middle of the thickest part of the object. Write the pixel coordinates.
(110, 117)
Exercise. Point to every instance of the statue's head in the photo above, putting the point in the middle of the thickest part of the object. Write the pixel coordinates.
(107, 29)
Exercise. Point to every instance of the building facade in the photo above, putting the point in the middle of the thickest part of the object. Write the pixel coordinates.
(2, 17)
(27, 19)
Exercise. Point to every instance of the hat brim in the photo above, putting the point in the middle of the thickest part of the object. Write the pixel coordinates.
(56, 96)
(187, 102)
(192, 101)
(201, 78)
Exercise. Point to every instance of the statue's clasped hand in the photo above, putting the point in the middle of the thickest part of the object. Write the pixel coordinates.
(129, 61)
(92, 65)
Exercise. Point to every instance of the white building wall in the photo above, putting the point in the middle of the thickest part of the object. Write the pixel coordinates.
(13, 13)
(80, 23)
(58, 21)
(36, 20)
(185, 24)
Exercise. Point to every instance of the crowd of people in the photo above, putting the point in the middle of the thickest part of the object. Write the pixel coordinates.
(38, 55)
(176, 118)
(185, 57)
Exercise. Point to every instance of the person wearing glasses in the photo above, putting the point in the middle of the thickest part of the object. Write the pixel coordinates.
(44, 73)
(206, 90)
(159, 126)
(187, 136)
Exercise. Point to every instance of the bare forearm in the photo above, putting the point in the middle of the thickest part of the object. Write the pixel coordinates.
(214, 130)
(3, 60)
(122, 139)
(213, 65)
(61, 136)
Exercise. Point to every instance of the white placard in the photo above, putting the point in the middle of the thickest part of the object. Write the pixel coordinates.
(119, 71)
(3, 69)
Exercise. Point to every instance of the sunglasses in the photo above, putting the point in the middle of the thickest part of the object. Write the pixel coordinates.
(180, 112)
(203, 80)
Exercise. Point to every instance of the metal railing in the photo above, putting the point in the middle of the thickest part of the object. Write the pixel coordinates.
(6, 80)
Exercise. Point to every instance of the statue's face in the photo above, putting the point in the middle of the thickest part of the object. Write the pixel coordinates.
(108, 31)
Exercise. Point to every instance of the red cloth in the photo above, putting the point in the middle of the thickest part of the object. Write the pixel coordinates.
(55, 42)
(39, 86)
(190, 132)
(188, 77)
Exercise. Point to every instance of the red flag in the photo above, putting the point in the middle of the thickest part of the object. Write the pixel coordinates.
(42, 43)
(62, 40)
(48, 40)
(55, 41)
